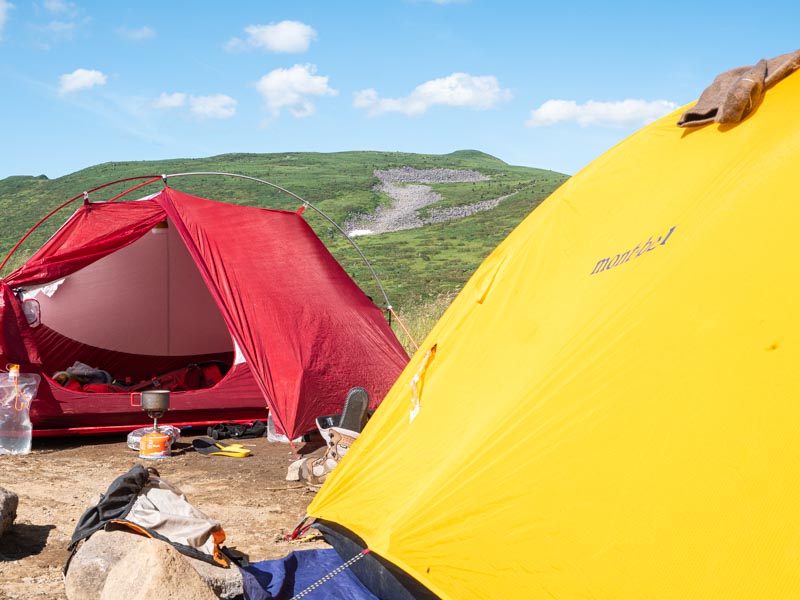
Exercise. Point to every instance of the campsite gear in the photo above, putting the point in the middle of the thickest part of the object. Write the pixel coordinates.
(353, 417)
(16, 392)
(612, 409)
(735, 93)
(314, 470)
(135, 436)
(237, 431)
(89, 374)
(155, 444)
(290, 576)
(141, 502)
(85, 376)
(155, 403)
(191, 377)
(354, 413)
(146, 286)
(212, 447)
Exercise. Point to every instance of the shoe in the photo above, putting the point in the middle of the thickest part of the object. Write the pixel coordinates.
(314, 471)
(354, 413)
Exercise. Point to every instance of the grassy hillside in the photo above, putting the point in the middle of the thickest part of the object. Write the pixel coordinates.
(414, 265)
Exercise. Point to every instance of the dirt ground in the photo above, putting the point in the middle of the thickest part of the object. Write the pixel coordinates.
(62, 476)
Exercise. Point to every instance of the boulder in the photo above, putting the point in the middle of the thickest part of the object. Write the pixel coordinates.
(154, 569)
(98, 555)
(93, 561)
(8, 509)
(226, 583)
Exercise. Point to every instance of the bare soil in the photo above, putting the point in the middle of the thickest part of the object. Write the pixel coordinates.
(64, 476)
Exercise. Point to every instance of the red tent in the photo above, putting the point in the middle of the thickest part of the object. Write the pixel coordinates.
(139, 288)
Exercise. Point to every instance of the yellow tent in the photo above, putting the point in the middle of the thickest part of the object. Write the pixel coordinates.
(611, 406)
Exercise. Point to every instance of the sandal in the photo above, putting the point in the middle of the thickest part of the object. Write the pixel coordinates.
(212, 447)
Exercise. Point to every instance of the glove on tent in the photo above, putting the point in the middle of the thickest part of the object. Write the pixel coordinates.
(611, 410)
(139, 288)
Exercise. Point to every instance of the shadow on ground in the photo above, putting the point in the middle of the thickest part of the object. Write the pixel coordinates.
(22, 541)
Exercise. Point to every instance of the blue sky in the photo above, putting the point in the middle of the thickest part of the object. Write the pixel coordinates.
(549, 85)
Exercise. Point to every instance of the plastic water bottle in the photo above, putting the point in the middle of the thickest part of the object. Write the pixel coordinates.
(16, 392)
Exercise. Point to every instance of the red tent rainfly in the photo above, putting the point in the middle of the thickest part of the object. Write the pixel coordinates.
(137, 288)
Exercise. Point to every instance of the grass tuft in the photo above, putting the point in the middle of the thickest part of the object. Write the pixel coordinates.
(420, 318)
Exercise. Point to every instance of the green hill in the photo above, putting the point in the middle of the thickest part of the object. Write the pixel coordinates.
(414, 265)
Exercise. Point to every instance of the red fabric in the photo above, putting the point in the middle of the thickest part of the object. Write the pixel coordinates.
(60, 352)
(180, 380)
(93, 231)
(16, 343)
(235, 398)
(100, 388)
(211, 375)
(308, 332)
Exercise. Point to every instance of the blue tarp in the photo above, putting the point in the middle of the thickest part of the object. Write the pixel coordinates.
(290, 575)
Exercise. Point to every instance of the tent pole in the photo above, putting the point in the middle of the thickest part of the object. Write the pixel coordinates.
(305, 203)
(152, 178)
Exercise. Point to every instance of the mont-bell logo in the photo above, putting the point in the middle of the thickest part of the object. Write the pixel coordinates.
(604, 264)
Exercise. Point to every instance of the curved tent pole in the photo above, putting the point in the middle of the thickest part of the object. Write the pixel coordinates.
(305, 203)
(85, 196)
(164, 178)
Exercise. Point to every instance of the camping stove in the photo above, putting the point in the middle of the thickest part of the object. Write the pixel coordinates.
(155, 445)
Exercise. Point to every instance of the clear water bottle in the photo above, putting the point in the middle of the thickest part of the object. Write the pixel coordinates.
(17, 390)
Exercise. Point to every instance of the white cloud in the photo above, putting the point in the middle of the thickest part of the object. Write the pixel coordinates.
(5, 8)
(137, 35)
(292, 88)
(365, 98)
(216, 106)
(458, 90)
(175, 100)
(59, 6)
(63, 29)
(80, 79)
(65, 22)
(285, 37)
(57, 21)
(625, 113)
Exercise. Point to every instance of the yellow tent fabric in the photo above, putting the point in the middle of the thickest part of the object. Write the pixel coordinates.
(613, 406)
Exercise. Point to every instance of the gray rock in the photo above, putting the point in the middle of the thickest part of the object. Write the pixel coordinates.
(226, 583)
(408, 196)
(154, 569)
(409, 174)
(97, 556)
(94, 559)
(8, 509)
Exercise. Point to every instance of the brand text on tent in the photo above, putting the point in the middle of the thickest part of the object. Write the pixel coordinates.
(607, 263)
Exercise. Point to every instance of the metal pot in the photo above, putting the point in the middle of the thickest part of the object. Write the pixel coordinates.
(155, 402)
